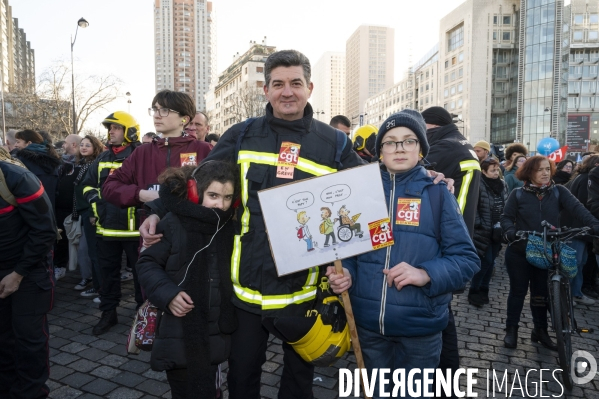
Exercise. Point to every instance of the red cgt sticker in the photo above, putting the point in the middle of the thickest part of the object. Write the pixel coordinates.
(381, 233)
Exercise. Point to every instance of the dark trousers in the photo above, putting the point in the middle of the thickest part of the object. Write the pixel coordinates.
(24, 367)
(109, 257)
(61, 247)
(177, 379)
(90, 236)
(589, 271)
(487, 264)
(450, 356)
(248, 354)
(522, 274)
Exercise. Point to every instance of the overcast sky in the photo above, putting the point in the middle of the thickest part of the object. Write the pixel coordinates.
(119, 39)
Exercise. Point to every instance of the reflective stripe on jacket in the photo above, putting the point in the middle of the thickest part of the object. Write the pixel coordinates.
(257, 286)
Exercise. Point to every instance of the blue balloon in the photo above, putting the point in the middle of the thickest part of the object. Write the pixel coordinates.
(547, 145)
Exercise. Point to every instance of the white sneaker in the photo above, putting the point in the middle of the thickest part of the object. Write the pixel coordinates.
(59, 272)
(97, 299)
(89, 293)
(126, 276)
(585, 300)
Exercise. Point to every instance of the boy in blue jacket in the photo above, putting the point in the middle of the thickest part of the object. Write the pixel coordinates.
(409, 283)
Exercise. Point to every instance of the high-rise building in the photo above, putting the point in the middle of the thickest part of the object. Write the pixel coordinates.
(238, 92)
(17, 58)
(369, 66)
(581, 66)
(328, 76)
(185, 50)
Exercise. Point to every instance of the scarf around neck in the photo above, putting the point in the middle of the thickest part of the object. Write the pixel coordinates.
(540, 192)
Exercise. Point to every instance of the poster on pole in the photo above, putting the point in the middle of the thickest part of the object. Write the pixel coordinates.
(317, 221)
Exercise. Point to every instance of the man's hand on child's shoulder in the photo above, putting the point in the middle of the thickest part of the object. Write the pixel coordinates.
(404, 274)
(339, 282)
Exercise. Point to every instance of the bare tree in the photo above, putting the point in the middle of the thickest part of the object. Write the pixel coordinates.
(50, 107)
(248, 102)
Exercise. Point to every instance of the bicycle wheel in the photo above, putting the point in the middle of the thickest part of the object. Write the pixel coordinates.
(563, 326)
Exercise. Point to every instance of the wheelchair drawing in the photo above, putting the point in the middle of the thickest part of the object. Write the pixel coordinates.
(345, 232)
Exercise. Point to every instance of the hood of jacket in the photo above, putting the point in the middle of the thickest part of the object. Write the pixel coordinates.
(45, 161)
(443, 133)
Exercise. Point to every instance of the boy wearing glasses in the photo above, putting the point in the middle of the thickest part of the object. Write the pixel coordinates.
(136, 182)
(409, 283)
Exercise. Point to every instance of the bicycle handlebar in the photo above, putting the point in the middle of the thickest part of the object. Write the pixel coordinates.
(564, 231)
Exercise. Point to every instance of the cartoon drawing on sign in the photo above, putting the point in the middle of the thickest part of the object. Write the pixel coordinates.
(348, 225)
(324, 196)
(303, 232)
(326, 226)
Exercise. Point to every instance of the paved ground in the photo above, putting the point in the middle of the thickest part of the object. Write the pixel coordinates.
(85, 366)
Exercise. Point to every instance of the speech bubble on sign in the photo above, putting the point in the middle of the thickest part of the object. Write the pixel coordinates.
(336, 193)
(300, 200)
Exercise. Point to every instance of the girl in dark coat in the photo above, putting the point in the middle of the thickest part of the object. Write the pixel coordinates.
(492, 197)
(187, 276)
(539, 199)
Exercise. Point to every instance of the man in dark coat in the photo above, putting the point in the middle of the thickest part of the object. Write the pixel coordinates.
(26, 283)
(452, 155)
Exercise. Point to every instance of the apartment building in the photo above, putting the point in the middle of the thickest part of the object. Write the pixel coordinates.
(328, 76)
(17, 58)
(185, 47)
(369, 66)
(238, 92)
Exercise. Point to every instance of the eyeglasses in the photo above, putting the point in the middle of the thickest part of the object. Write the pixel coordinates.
(407, 145)
(161, 111)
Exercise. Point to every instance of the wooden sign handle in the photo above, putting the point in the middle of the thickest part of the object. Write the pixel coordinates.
(352, 327)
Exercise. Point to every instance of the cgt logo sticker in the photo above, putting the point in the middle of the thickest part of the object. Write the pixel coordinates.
(381, 234)
(408, 211)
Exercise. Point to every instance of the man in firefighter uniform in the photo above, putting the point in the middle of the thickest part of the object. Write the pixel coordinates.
(116, 228)
(27, 232)
(287, 144)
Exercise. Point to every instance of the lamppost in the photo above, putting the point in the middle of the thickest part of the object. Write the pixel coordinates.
(84, 24)
(318, 113)
(128, 102)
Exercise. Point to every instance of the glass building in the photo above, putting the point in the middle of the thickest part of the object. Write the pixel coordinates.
(538, 113)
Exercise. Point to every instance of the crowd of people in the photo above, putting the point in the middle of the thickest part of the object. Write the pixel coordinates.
(177, 212)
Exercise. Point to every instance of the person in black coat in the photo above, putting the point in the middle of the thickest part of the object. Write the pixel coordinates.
(40, 158)
(564, 171)
(579, 187)
(491, 200)
(539, 199)
(187, 276)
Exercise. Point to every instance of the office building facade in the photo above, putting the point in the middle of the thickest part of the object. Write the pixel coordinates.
(185, 47)
(328, 76)
(17, 58)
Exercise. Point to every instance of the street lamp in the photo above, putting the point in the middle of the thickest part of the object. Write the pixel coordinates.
(84, 24)
(317, 113)
(128, 102)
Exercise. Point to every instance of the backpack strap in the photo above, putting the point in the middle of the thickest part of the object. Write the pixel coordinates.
(246, 128)
(5, 192)
(341, 141)
(436, 199)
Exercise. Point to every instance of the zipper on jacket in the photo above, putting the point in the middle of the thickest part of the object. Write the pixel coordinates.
(168, 153)
(387, 257)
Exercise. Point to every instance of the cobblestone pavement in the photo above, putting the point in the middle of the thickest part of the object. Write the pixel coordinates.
(86, 366)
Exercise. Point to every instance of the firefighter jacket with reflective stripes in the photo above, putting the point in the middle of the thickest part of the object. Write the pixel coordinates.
(455, 158)
(112, 222)
(27, 230)
(258, 288)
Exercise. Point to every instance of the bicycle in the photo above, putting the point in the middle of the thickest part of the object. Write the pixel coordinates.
(560, 297)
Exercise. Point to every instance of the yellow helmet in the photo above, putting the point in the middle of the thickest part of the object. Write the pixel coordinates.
(324, 344)
(128, 122)
(362, 136)
(322, 336)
